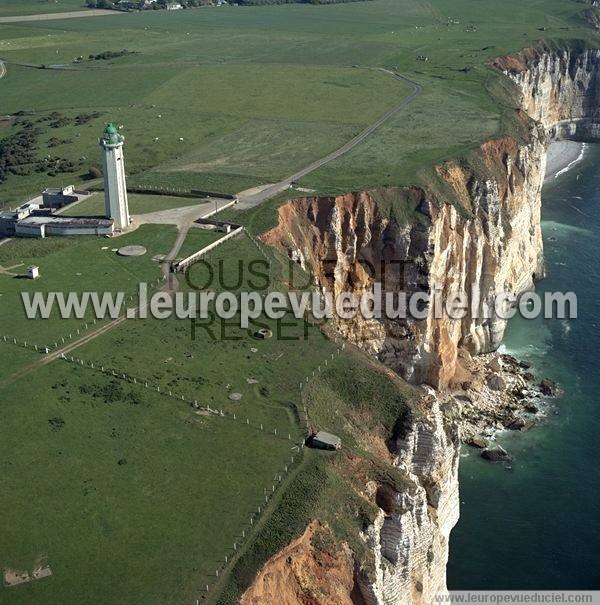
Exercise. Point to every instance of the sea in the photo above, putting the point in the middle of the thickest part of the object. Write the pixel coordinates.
(535, 524)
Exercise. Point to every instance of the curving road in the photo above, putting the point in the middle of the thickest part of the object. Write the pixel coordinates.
(247, 200)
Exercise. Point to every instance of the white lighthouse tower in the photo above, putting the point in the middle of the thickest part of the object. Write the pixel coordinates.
(115, 189)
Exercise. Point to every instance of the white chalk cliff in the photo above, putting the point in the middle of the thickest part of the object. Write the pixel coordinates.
(485, 233)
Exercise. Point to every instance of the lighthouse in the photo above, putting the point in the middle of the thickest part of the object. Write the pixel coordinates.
(115, 189)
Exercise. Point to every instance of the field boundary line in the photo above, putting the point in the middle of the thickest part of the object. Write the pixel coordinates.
(177, 397)
(264, 514)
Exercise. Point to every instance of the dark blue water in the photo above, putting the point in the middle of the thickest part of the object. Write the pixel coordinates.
(537, 526)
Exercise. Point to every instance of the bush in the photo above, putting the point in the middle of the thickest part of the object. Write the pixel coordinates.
(95, 172)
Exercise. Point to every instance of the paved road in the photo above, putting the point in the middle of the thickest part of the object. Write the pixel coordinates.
(54, 16)
(247, 200)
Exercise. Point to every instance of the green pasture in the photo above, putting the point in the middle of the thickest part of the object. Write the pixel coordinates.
(209, 359)
(129, 496)
(74, 264)
(259, 92)
(196, 239)
(10, 8)
(14, 358)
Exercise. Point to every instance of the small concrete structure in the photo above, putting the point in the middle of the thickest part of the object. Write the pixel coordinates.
(33, 272)
(186, 262)
(325, 441)
(59, 197)
(131, 251)
(37, 219)
(263, 333)
(8, 220)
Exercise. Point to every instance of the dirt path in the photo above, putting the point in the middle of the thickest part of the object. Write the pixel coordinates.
(251, 198)
(50, 357)
(53, 16)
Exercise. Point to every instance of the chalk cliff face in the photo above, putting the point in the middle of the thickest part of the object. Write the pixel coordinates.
(487, 241)
(560, 90)
(485, 233)
(490, 240)
(408, 539)
(410, 536)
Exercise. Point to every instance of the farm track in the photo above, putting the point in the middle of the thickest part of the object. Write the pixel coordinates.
(50, 357)
(55, 16)
(75, 344)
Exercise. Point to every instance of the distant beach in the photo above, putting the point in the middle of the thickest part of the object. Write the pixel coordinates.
(562, 155)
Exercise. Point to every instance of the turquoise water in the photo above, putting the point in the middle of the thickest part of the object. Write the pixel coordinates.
(537, 526)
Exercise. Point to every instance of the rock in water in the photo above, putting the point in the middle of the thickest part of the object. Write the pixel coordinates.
(516, 424)
(479, 441)
(549, 388)
(495, 454)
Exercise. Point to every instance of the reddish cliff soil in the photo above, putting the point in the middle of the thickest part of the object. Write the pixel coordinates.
(312, 570)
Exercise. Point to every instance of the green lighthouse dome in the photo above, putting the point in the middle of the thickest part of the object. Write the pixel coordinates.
(111, 135)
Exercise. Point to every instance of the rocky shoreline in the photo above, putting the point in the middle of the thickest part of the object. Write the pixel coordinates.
(498, 392)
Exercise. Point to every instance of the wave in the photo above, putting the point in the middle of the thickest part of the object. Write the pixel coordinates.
(573, 163)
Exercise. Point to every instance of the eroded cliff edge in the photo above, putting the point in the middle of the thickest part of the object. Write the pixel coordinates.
(474, 228)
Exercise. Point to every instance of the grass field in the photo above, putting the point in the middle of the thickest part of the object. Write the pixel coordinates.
(137, 498)
(74, 264)
(196, 239)
(8, 8)
(260, 92)
(141, 512)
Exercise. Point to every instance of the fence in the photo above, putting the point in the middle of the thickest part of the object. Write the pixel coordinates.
(186, 262)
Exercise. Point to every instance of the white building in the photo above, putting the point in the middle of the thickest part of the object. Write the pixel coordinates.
(33, 272)
(115, 188)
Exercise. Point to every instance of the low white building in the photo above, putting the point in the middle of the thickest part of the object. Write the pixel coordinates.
(43, 226)
(33, 272)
